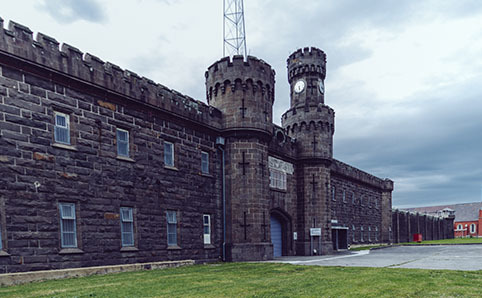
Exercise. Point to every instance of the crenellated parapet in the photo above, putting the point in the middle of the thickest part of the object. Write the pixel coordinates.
(17, 42)
(347, 171)
(243, 90)
(306, 61)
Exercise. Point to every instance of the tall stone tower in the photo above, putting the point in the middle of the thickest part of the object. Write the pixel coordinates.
(244, 92)
(311, 123)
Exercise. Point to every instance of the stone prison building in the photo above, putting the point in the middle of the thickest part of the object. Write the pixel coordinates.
(101, 166)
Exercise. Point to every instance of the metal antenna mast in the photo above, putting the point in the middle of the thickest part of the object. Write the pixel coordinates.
(233, 28)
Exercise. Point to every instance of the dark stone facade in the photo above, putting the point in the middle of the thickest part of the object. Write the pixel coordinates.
(263, 182)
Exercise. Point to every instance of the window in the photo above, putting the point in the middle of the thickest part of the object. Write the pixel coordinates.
(362, 197)
(204, 162)
(353, 228)
(171, 228)
(122, 142)
(390, 236)
(277, 179)
(376, 203)
(361, 234)
(352, 197)
(376, 234)
(62, 128)
(344, 196)
(127, 226)
(459, 227)
(369, 234)
(207, 228)
(472, 228)
(168, 154)
(1, 246)
(68, 231)
(333, 193)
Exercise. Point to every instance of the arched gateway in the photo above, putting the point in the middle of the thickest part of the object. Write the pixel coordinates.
(279, 226)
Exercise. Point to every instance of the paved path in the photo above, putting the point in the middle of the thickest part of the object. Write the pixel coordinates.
(453, 257)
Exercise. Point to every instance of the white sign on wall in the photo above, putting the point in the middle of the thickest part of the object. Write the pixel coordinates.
(315, 232)
(280, 165)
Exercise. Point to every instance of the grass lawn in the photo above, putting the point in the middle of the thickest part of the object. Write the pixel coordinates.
(260, 280)
(449, 241)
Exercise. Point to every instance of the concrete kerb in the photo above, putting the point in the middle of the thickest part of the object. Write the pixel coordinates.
(9, 279)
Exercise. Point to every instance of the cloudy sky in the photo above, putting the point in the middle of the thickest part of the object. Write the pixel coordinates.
(404, 77)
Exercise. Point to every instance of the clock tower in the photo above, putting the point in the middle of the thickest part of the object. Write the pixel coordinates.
(312, 124)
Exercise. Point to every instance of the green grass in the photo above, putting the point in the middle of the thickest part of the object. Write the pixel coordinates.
(449, 241)
(366, 247)
(261, 280)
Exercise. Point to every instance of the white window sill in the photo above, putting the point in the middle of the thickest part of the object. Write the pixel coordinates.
(65, 146)
(4, 253)
(68, 251)
(129, 249)
(125, 158)
(173, 247)
(171, 168)
(209, 246)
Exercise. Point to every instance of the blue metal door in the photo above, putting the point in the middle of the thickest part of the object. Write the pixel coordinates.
(276, 237)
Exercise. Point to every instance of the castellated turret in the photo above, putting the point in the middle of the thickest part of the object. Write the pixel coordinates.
(243, 91)
(309, 120)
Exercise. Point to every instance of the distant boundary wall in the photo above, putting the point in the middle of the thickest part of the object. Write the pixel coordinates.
(406, 224)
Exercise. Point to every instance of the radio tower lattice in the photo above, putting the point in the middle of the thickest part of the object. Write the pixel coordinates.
(233, 28)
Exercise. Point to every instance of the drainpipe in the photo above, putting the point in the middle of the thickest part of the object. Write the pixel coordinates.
(220, 143)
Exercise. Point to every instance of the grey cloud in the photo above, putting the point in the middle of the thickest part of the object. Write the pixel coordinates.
(69, 11)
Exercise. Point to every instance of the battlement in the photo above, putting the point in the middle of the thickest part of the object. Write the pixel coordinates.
(251, 65)
(343, 169)
(307, 52)
(17, 42)
(237, 74)
(311, 61)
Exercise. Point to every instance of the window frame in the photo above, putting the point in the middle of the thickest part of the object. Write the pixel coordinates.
(473, 229)
(204, 162)
(376, 234)
(70, 218)
(333, 193)
(278, 179)
(361, 234)
(171, 229)
(353, 234)
(344, 196)
(123, 142)
(66, 127)
(207, 236)
(166, 154)
(130, 222)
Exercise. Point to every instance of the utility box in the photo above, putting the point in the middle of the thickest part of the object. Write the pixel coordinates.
(417, 237)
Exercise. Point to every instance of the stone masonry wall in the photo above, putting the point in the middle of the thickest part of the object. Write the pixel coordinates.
(88, 172)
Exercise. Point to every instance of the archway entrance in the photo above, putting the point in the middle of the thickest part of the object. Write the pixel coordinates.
(276, 236)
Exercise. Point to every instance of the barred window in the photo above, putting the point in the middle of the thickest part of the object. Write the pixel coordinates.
(122, 142)
(171, 227)
(204, 162)
(62, 128)
(277, 179)
(207, 228)
(68, 231)
(168, 154)
(127, 226)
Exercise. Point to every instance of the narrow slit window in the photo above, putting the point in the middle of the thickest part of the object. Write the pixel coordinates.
(122, 142)
(168, 154)
(171, 228)
(127, 226)
(207, 228)
(62, 128)
(68, 231)
(204, 162)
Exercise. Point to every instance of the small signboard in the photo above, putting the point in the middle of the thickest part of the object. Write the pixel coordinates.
(315, 232)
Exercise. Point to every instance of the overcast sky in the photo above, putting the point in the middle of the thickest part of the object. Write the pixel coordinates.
(404, 77)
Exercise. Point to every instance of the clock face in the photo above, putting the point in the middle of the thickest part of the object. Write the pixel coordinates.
(299, 86)
(322, 87)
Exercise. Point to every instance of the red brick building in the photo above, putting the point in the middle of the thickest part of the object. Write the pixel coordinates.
(468, 217)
